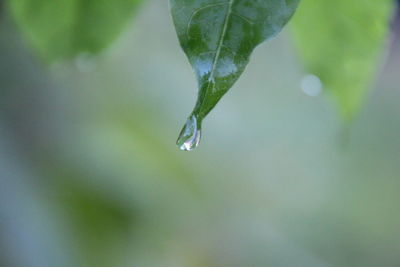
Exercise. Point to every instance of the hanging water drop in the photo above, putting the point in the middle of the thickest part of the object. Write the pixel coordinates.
(189, 138)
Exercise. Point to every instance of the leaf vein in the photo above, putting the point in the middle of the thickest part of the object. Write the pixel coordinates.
(243, 18)
(220, 42)
(195, 12)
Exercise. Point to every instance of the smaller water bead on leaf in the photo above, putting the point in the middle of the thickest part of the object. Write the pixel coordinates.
(311, 85)
(85, 62)
(218, 37)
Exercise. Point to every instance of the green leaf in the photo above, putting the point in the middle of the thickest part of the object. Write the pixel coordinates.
(61, 29)
(342, 41)
(218, 38)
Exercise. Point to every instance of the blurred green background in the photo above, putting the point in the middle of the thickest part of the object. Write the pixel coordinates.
(90, 174)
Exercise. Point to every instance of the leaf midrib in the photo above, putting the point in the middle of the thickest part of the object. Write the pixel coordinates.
(221, 39)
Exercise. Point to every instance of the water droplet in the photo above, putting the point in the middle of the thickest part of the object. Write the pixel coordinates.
(311, 85)
(85, 62)
(189, 138)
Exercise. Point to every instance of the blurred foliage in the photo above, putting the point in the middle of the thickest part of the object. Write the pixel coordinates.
(342, 42)
(61, 29)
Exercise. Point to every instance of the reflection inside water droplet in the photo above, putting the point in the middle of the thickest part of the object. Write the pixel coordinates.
(189, 138)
